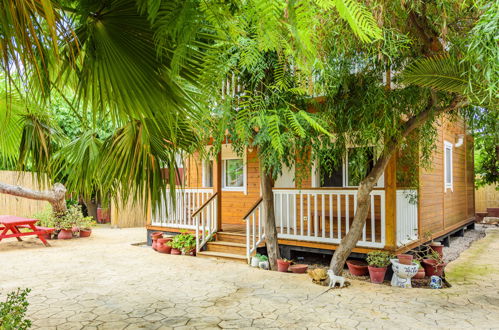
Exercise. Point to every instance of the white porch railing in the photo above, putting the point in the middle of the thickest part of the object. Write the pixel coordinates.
(407, 216)
(179, 215)
(324, 215)
(255, 233)
(206, 222)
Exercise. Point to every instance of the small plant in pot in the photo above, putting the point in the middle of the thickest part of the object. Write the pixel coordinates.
(176, 246)
(283, 265)
(255, 260)
(85, 225)
(378, 262)
(434, 264)
(65, 227)
(264, 262)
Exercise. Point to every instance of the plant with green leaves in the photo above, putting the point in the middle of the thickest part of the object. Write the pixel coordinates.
(378, 259)
(13, 311)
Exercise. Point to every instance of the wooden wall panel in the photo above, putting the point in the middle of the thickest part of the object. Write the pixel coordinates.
(487, 196)
(441, 210)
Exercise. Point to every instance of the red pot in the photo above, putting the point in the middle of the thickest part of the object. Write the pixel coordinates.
(377, 274)
(298, 268)
(420, 274)
(405, 259)
(47, 235)
(438, 249)
(102, 215)
(431, 268)
(282, 266)
(357, 267)
(65, 234)
(155, 236)
(162, 247)
(176, 251)
(85, 232)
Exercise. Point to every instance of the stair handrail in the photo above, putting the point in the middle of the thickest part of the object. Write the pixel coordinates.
(208, 229)
(254, 238)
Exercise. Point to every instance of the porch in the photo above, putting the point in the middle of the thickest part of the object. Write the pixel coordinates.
(317, 217)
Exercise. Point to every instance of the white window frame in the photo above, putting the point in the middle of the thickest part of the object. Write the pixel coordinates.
(227, 154)
(316, 176)
(448, 185)
(204, 173)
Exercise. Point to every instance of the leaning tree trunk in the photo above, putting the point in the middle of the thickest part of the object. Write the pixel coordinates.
(269, 219)
(356, 228)
(55, 196)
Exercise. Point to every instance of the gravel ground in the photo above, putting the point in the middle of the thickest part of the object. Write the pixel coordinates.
(459, 244)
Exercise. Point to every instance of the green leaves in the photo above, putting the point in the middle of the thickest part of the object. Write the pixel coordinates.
(358, 17)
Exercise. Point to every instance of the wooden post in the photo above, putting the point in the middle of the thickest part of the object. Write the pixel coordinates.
(218, 177)
(391, 204)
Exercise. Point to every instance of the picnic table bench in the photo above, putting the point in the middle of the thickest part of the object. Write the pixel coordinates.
(14, 224)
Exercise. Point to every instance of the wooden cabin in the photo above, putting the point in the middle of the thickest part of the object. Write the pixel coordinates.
(221, 203)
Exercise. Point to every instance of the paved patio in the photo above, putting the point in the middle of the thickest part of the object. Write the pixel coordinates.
(105, 283)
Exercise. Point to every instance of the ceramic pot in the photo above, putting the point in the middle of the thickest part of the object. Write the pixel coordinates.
(405, 259)
(85, 232)
(264, 264)
(254, 261)
(282, 266)
(438, 248)
(357, 267)
(420, 275)
(298, 268)
(377, 274)
(65, 234)
(155, 236)
(402, 273)
(176, 251)
(431, 268)
(162, 247)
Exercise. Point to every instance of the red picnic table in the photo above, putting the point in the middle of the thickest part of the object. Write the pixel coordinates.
(14, 224)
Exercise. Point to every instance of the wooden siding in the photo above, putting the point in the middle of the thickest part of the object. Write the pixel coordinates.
(487, 196)
(442, 209)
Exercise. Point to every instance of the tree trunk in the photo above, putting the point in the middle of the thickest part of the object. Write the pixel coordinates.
(366, 186)
(56, 196)
(269, 219)
(91, 208)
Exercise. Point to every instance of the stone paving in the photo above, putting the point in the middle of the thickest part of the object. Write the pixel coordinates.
(104, 282)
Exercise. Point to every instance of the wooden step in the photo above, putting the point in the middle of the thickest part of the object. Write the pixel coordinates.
(231, 237)
(222, 256)
(226, 247)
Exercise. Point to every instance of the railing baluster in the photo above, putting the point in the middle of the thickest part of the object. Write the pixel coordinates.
(338, 202)
(308, 215)
(347, 214)
(373, 229)
(323, 205)
(316, 220)
(301, 214)
(254, 228)
(281, 213)
(330, 216)
(294, 213)
(287, 213)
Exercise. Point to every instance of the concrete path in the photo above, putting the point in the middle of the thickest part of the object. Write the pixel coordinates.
(103, 282)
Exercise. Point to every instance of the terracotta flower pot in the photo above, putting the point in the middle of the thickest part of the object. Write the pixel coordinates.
(282, 265)
(85, 232)
(432, 268)
(176, 251)
(357, 267)
(377, 274)
(65, 234)
(162, 247)
(405, 259)
(155, 236)
(420, 274)
(438, 249)
(298, 268)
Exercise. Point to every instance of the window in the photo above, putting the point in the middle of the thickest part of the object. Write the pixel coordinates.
(448, 165)
(208, 173)
(233, 174)
(357, 163)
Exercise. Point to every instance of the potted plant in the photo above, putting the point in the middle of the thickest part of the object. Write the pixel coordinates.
(162, 245)
(264, 262)
(378, 262)
(405, 259)
(283, 265)
(65, 227)
(85, 225)
(188, 244)
(434, 264)
(421, 272)
(255, 260)
(438, 248)
(357, 267)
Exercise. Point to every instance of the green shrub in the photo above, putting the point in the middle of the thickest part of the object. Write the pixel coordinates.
(13, 311)
(184, 242)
